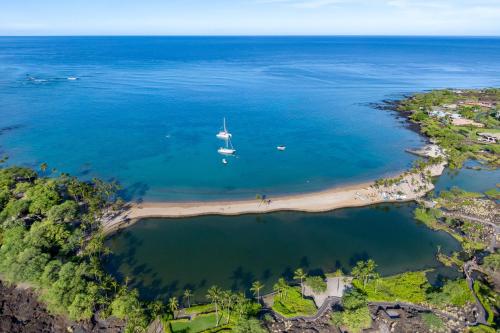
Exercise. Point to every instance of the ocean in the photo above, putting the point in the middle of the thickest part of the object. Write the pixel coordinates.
(145, 110)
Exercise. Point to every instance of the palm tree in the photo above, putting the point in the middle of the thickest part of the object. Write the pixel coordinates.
(365, 271)
(280, 287)
(114, 284)
(173, 305)
(226, 303)
(299, 274)
(213, 294)
(156, 308)
(256, 287)
(187, 296)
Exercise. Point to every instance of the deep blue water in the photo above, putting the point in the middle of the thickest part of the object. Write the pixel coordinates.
(145, 110)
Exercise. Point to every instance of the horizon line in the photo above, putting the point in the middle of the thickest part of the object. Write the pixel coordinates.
(246, 35)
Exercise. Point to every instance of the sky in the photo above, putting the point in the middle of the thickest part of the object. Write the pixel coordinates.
(250, 17)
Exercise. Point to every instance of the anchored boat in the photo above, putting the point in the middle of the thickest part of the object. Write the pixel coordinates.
(224, 134)
(228, 150)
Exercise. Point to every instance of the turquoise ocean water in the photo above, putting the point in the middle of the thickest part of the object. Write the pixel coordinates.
(145, 110)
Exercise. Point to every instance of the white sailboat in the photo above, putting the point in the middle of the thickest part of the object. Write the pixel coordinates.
(224, 134)
(228, 150)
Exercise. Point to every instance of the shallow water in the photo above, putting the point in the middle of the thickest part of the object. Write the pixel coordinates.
(469, 179)
(164, 257)
(145, 110)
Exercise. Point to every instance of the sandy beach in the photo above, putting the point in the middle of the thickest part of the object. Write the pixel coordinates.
(410, 187)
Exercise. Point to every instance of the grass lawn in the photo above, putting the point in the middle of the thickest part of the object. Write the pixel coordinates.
(204, 308)
(198, 324)
(293, 304)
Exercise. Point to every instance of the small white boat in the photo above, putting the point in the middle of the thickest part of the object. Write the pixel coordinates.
(228, 150)
(281, 148)
(224, 161)
(72, 78)
(224, 134)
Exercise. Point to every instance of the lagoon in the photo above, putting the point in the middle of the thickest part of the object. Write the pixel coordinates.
(164, 256)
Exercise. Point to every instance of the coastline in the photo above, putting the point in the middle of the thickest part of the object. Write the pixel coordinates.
(410, 187)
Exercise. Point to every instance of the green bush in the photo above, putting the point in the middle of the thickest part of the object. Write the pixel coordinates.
(406, 287)
(317, 283)
(291, 304)
(455, 292)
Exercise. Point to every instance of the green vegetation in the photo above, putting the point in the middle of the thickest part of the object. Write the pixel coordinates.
(355, 315)
(204, 308)
(300, 275)
(406, 287)
(414, 287)
(289, 303)
(492, 262)
(316, 283)
(198, 324)
(453, 292)
(50, 238)
(433, 322)
(494, 193)
(428, 216)
(227, 311)
(481, 329)
(245, 325)
(460, 142)
(488, 298)
(364, 271)
(456, 202)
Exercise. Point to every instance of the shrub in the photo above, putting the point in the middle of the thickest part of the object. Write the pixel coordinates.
(317, 283)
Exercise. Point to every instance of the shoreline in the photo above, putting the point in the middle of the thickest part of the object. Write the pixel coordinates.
(410, 187)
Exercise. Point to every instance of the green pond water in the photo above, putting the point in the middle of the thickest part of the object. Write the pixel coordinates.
(162, 257)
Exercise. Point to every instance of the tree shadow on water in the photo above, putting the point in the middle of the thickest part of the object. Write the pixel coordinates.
(242, 280)
(363, 256)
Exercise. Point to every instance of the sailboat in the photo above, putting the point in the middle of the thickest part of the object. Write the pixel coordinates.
(228, 150)
(224, 134)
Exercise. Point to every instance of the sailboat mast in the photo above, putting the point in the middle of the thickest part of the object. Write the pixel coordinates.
(225, 130)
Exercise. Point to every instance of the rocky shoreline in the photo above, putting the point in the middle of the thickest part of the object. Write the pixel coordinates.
(22, 312)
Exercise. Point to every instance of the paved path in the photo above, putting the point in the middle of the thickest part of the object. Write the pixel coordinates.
(482, 316)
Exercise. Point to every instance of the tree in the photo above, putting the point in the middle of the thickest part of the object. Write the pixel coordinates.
(43, 196)
(256, 287)
(213, 294)
(299, 274)
(365, 271)
(63, 213)
(355, 315)
(492, 262)
(187, 296)
(280, 287)
(173, 305)
(156, 308)
(316, 283)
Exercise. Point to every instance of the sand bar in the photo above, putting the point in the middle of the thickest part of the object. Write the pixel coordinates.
(411, 187)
